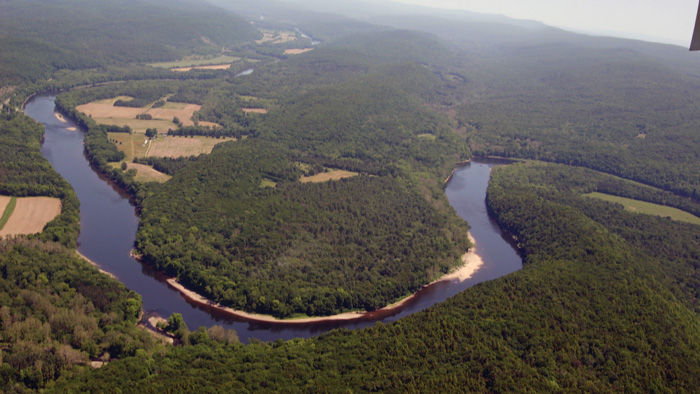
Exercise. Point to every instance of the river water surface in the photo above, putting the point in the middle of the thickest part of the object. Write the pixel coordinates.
(109, 223)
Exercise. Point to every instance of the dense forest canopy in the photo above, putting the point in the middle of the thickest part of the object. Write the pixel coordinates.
(316, 249)
(607, 300)
(598, 307)
(56, 311)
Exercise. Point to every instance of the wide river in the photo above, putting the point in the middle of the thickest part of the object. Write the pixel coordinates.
(109, 223)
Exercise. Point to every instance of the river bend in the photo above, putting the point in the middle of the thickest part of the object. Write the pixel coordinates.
(109, 223)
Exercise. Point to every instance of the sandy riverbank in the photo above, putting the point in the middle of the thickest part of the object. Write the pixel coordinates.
(95, 264)
(471, 263)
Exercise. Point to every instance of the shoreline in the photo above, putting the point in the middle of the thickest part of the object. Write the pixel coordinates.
(94, 264)
(471, 263)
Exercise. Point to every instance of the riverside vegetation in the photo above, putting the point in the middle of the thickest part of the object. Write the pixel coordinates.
(607, 300)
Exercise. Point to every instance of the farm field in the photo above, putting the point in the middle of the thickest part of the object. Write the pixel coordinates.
(183, 146)
(104, 112)
(648, 208)
(213, 67)
(274, 37)
(145, 173)
(131, 144)
(297, 51)
(30, 215)
(114, 100)
(332, 175)
(254, 110)
(138, 125)
(136, 145)
(194, 61)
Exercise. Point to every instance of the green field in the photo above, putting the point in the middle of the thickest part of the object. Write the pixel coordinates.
(191, 61)
(9, 209)
(648, 208)
(267, 183)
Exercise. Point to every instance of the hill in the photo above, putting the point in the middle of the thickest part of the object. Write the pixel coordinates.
(39, 37)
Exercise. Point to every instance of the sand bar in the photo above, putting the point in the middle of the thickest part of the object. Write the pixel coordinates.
(471, 263)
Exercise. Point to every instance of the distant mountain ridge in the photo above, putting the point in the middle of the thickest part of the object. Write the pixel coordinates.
(38, 37)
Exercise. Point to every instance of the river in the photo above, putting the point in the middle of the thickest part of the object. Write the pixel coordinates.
(109, 223)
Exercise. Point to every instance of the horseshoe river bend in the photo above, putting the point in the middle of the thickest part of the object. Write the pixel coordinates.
(109, 223)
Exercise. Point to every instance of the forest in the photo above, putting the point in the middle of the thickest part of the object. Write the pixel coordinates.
(599, 307)
(607, 300)
(57, 312)
(315, 249)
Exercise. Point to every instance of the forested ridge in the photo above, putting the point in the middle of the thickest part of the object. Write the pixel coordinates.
(39, 38)
(624, 113)
(607, 300)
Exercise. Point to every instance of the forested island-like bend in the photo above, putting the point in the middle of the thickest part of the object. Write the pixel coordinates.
(607, 300)
(471, 263)
(63, 148)
(259, 240)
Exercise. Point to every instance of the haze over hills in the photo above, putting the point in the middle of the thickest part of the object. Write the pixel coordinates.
(39, 37)
(393, 96)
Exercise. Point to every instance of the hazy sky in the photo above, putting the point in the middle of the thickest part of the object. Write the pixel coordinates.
(670, 21)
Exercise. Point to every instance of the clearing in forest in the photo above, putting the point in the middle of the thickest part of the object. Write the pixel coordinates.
(648, 208)
(254, 110)
(145, 173)
(274, 37)
(195, 61)
(138, 146)
(183, 146)
(297, 51)
(213, 67)
(332, 175)
(30, 215)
